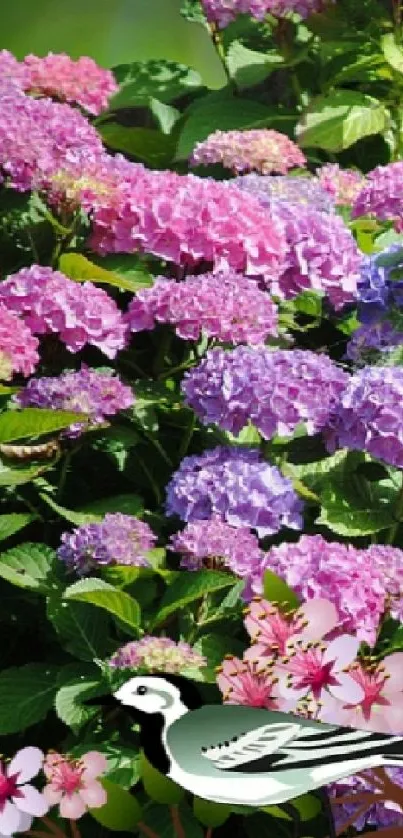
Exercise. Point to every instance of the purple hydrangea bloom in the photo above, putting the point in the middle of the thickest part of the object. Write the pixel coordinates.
(118, 539)
(275, 390)
(222, 12)
(369, 416)
(302, 191)
(383, 814)
(382, 195)
(373, 338)
(380, 286)
(97, 394)
(213, 540)
(237, 485)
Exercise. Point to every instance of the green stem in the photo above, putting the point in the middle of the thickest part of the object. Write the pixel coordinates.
(219, 48)
(398, 513)
(187, 438)
(163, 349)
(63, 473)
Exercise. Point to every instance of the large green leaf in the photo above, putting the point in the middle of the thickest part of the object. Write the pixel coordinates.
(157, 79)
(336, 121)
(82, 631)
(71, 515)
(248, 67)
(276, 590)
(69, 699)
(78, 267)
(210, 814)
(392, 52)
(34, 422)
(30, 566)
(158, 818)
(101, 594)
(18, 476)
(145, 144)
(189, 587)
(308, 807)
(10, 524)
(26, 696)
(128, 503)
(121, 812)
(158, 787)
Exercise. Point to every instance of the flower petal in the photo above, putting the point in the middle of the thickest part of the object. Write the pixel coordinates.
(72, 806)
(393, 665)
(9, 819)
(52, 794)
(322, 618)
(347, 690)
(94, 764)
(32, 801)
(27, 763)
(93, 794)
(343, 650)
(25, 822)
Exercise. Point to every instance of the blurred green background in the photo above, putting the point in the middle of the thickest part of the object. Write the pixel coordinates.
(110, 31)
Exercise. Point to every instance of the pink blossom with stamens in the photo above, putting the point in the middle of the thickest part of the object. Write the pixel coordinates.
(19, 801)
(314, 669)
(272, 631)
(74, 783)
(247, 682)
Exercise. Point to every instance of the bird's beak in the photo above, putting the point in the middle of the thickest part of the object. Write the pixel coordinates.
(102, 701)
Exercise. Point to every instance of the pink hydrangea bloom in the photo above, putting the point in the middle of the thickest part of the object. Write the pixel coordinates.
(382, 194)
(315, 669)
(20, 802)
(352, 579)
(80, 313)
(389, 562)
(12, 70)
(49, 134)
(343, 185)
(18, 346)
(380, 706)
(82, 81)
(226, 306)
(74, 783)
(247, 682)
(223, 12)
(157, 654)
(272, 631)
(261, 150)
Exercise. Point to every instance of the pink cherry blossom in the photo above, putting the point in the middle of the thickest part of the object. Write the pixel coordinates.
(73, 783)
(271, 630)
(247, 682)
(19, 801)
(313, 669)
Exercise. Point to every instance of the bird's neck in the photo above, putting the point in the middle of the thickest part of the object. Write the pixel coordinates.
(153, 730)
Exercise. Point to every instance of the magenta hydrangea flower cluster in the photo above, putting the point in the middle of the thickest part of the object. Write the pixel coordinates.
(344, 185)
(157, 654)
(303, 191)
(237, 485)
(51, 303)
(222, 12)
(382, 194)
(369, 416)
(48, 134)
(117, 540)
(361, 583)
(97, 394)
(213, 540)
(261, 150)
(81, 82)
(18, 346)
(275, 390)
(226, 306)
(322, 255)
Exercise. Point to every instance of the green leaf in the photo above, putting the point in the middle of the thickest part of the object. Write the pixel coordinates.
(165, 115)
(392, 51)
(18, 476)
(157, 79)
(336, 121)
(159, 819)
(210, 814)
(75, 517)
(33, 422)
(26, 696)
(123, 761)
(81, 630)
(193, 11)
(189, 587)
(69, 698)
(121, 812)
(101, 594)
(145, 144)
(308, 807)
(78, 267)
(276, 590)
(128, 504)
(29, 566)
(388, 238)
(158, 787)
(248, 67)
(10, 524)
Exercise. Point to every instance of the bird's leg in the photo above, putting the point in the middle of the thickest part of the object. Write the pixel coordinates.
(295, 816)
(327, 808)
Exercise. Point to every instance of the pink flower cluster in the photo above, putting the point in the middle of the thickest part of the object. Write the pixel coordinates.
(48, 134)
(80, 313)
(382, 194)
(74, 784)
(362, 583)
(343, 185)
(226, 306)
(223, 12)
(261, 150)
(18, 346)
(157, 654)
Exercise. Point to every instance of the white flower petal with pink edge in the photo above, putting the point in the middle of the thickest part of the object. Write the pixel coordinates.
(347, 690)
(25, 822)
(393, 665)
(343, 650)
(32, 801)
(322, 617)
(27, 763)
(94, 795)
(94, 764)
(72, 806)
(52, 794)
(9, 818)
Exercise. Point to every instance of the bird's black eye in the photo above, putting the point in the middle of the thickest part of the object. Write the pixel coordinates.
(141, 690)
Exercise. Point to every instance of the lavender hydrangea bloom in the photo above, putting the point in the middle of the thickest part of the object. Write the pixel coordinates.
(302, 191)
(383, 814)
(382, 195)
(97, 394)
(373, 338)
(379, 286)
(276, 390)
(118, 539)
(222, 12)
(369, 416)
(237, 485)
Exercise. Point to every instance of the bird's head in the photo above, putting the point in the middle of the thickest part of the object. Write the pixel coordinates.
(147, 695)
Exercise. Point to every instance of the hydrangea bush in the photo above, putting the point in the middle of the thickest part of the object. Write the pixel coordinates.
(201, 445)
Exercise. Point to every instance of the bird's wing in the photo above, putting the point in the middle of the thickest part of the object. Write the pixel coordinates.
(257, 743)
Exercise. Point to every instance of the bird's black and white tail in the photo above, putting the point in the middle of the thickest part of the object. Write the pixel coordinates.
(339, 745)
